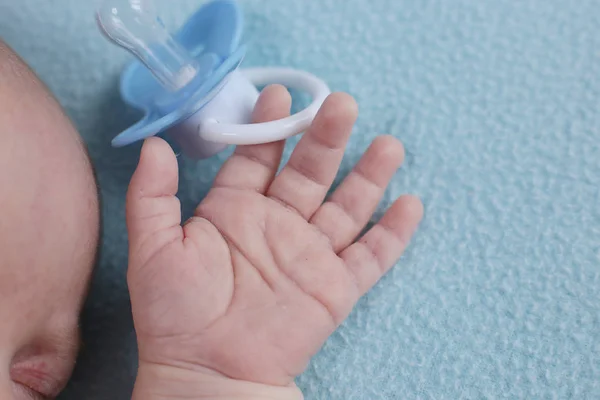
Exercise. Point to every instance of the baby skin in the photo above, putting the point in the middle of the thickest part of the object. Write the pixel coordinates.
(49, 232)
(234, 302)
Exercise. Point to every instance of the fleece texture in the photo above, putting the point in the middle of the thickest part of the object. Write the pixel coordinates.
(497, 104)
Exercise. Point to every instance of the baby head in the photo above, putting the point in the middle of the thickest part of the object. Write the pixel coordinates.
(48, 235)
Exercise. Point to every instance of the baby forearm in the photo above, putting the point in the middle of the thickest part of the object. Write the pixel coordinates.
(158, 382)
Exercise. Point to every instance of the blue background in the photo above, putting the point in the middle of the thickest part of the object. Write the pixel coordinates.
(497, 104)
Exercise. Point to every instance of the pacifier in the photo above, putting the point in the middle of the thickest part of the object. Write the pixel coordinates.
(190, 86)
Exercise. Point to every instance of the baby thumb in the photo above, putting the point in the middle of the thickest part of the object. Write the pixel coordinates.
(153, 211)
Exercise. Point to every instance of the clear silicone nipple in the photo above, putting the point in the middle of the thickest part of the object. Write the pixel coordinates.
(135, 26)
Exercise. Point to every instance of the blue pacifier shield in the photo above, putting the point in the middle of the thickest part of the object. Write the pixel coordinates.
(212, 37)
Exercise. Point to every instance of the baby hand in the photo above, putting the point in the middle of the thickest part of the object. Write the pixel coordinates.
(237, 300)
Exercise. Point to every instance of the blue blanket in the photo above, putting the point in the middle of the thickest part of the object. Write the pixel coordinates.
(497, 104)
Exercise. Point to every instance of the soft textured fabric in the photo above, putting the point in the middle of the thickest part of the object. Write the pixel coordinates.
(497, 104)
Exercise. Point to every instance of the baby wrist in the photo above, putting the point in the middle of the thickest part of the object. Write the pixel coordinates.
(159, 382)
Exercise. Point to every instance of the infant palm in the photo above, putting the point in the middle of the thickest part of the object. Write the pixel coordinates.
(253, 285)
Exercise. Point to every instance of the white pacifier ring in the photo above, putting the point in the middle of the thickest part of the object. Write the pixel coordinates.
(246, 134)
